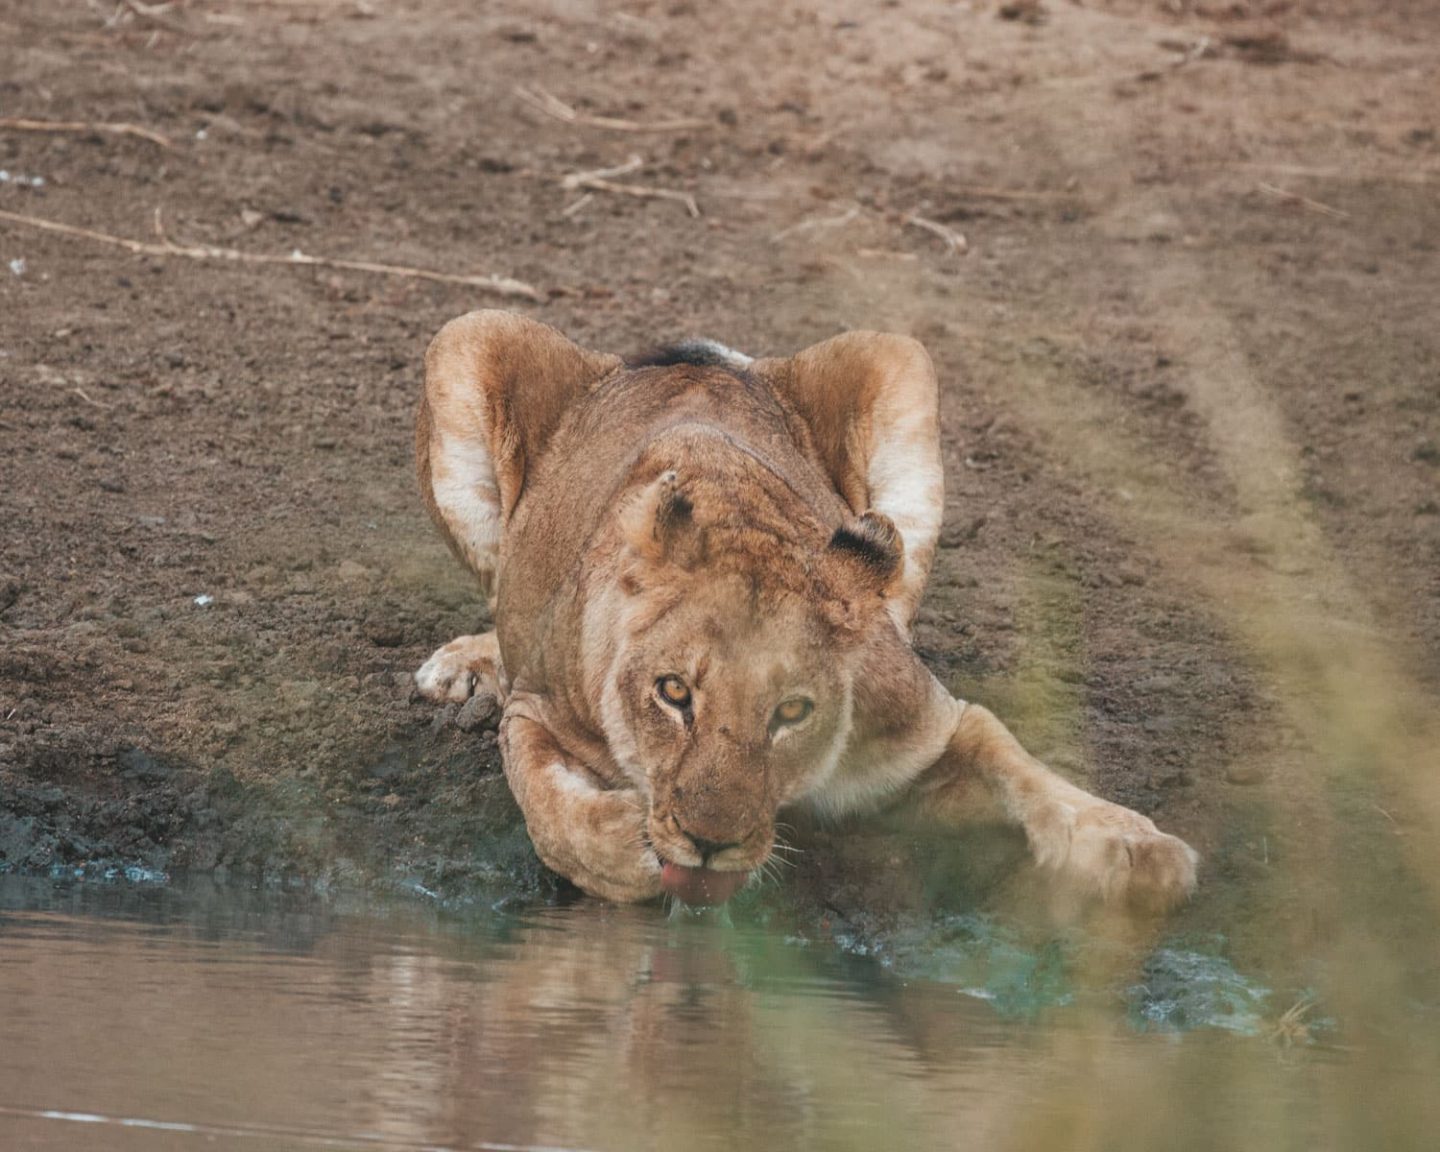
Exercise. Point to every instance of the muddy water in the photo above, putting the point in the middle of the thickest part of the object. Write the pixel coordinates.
(184, 1017)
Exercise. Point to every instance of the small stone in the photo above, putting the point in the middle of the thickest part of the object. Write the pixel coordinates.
(385, 633)
(479, 713)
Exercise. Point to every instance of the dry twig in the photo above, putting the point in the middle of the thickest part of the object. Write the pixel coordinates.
(118, 129)
(1202, 47)
(501, 285)
(815, 222)
(551, 105)
(577, 179)
(600, 180)
(1303, 201)
(1410, 175)
(984, 193)
(645, 192)
(954, 241)
(886, 254)
(578, 205)
(88, 400)
(153, 13)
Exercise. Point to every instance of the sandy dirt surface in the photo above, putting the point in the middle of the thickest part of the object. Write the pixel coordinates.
(1190, 355)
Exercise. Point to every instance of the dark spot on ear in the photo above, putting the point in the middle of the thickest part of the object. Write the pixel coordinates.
(659, 523)
(674, 510)
(874, 541)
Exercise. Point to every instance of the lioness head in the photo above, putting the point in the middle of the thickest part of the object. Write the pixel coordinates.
(728, 689)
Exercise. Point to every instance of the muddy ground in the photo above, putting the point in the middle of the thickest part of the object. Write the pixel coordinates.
(1190, 355)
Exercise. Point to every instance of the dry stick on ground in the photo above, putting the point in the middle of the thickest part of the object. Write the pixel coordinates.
(23, 125)
(93, 403)
(575, 179)
(886, 254)
(1364, 175)
(599, 181)
(500, 285)
(153, 13)
(1303, 201)
(579, 204)
(551, 105)
(816, 222)
(983, 193)
(149, 11)
(954, 241)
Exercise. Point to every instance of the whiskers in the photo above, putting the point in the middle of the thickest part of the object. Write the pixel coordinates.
(781, 855)
(782, 850)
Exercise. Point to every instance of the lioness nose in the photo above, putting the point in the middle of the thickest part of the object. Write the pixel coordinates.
(709, 848)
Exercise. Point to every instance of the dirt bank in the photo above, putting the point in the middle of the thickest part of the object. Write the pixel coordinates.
(1191, 363)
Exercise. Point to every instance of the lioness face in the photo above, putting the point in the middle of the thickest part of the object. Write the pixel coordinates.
(728, 669)
(733, 703)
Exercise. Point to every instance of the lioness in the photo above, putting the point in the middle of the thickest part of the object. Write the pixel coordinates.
(702, 570)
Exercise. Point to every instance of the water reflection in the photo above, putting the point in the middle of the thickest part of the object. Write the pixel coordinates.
(272, 1020)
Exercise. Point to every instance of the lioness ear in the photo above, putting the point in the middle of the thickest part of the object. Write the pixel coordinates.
(867, 554)
(868, 404)
(497, 385)
(659, 524)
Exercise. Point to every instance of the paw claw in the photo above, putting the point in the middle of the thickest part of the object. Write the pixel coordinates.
(458, 670)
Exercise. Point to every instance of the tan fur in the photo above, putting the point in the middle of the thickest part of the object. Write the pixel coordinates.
(757, 536)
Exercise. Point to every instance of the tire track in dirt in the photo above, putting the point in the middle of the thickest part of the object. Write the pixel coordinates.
(1259, 562)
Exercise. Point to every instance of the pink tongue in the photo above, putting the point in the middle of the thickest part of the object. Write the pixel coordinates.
(700, 886)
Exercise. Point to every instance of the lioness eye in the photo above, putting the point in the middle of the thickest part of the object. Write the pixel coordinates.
(673, 691)
(794, 710)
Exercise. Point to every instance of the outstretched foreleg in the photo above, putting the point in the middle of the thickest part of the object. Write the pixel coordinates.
(1103, 848)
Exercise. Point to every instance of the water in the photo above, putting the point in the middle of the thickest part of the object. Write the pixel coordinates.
(195, 1016)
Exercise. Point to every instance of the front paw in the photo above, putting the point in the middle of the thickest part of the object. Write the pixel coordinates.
(605, 852)
(632, 880)
(463, 668)
(1114, 853)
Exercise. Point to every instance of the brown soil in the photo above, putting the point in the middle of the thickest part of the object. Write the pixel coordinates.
(1191, 358)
